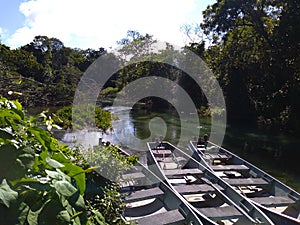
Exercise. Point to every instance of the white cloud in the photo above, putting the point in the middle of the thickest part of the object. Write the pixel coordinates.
(99, 23)
(3, 34)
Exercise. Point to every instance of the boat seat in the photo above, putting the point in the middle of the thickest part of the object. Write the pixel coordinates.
(136, 175)
(164, 159)
(229, 167)
(182, 172)
(168, 165)
(144, 209)
(273, 201)
(161, 153)
(171, 217)
(194, 188)
(246, 181)
(144, 194)
(215, 156)
(221, 213)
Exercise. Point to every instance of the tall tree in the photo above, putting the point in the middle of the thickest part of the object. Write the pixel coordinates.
(259, 51)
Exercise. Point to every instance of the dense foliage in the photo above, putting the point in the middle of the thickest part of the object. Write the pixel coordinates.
(253, 50)
(64, 118)
(256, 55)
(43, 181)
(45, 71)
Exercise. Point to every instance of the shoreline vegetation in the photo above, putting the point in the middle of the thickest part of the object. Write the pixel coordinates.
(47, 73)
(254, 54)
(45, 182)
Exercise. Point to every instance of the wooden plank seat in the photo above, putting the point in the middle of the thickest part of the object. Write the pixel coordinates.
(195, 188)
(246, 181)
(169, 159)
(144, 194)
(229, 167)
(136, 175)
(215, 156)
(170, 217)
(182, 172)
(221, 213)
(164, 151)
(273, 201)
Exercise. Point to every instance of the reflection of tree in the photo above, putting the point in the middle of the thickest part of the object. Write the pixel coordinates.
(141, 117)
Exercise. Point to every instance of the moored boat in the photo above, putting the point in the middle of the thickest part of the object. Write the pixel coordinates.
(206, 193)
(278, 201)
(149, 201)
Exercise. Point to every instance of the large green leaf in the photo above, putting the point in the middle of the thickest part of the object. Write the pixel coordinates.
(78, 174)
(55, 164)
(10, 167)
(7, 195)
(65, 188)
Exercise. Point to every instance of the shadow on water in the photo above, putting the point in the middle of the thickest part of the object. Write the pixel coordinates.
(276, 154)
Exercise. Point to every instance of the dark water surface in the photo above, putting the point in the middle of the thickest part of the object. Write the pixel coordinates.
(278, 155)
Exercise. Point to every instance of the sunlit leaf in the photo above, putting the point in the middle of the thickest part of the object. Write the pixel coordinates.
(7, 195)
(54, 163)
(65, 188)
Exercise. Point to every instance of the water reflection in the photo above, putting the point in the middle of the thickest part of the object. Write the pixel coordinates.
(278, 155)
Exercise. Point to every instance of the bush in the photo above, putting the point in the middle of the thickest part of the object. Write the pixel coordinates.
(84, 117)
(41, 181)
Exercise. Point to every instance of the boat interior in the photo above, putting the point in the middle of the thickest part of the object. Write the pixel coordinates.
(149, 201)
(197, 185)
(249, 181)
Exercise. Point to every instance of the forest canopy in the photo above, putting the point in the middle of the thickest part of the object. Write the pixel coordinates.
(251, 46)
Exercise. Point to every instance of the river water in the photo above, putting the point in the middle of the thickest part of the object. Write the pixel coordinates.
(276, 154)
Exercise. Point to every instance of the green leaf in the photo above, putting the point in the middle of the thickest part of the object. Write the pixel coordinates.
(99, 217)
(77, 201)
(65, 188)
(9, 114)
(10, 166)
(37, 134)
(27, 158)
(7, 195)
(24, 210)
(18, 105)
(54, 174)
(64, 216)
(32, 217)
(54, 163)
(78, 174)
(60, 157)
(5, 135)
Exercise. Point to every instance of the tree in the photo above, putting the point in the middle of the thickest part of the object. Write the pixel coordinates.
(256, 42)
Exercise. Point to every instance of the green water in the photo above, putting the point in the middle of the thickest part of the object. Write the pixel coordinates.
(276, 154)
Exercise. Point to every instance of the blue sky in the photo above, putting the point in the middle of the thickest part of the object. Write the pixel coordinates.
(96, 23)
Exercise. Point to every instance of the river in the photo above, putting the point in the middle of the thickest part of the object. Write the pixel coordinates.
(278, 155)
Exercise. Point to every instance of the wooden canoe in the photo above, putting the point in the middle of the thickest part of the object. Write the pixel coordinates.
(205, 192)
(278, 201)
